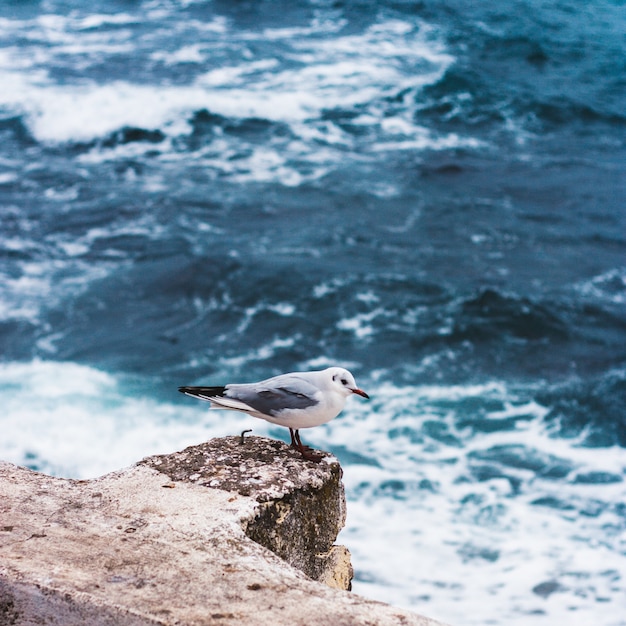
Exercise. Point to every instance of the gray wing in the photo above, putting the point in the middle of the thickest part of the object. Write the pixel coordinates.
(275, 395)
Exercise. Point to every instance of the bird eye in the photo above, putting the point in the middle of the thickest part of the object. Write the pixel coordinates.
(344, 381)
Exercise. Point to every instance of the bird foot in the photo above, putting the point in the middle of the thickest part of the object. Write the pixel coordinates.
(311, 456)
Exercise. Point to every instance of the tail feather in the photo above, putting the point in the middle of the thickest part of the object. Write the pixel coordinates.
(204, 393)
(216, 396)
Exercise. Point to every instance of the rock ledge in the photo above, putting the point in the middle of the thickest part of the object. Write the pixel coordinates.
(221, 533)
(302, 506)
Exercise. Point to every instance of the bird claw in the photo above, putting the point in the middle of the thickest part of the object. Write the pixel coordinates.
(311, 456)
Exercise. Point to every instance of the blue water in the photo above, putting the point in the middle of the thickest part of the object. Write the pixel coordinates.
(431, 194)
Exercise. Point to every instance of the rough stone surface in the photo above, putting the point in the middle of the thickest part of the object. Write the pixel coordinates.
(302, 505)
(144, 547)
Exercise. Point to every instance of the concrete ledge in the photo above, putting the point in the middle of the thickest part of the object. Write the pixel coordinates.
(168, 541)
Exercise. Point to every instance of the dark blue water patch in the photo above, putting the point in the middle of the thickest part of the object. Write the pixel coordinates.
(128, 135)
(471, 552)
(620, 511)
(553, 502)
(392, 488)
(469, 408)
(206, 126)
(492, 424)
(15, 135)
(499, 332)
(128, 320)
(22, 9)
(593, 409)
(460, 100)
(547, 588)
(402, 489)
(36, 462)
(597, 478)
(349, 456)
(490, 514)
(515, 254)
(254, 16)
(414, 435)
(256, 130)
(580, 56)
(550, 115)
(487, 472)
(517, 456)
(429, 485)
(483, 511)
(491, 314)
(16, 339)
(217, 302)
(440, 432)
(359, 491)
(588, 508)
(593, 508)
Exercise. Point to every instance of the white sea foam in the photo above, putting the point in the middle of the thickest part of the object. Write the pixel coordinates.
(192, 53)
(75, 421)
(609, 287)
(263, 352)
(361, 324)
(345, 71)
(444, 542)
(45, 284)
(8, 177)
(83, 113)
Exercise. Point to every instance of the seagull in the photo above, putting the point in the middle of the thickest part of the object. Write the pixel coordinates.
(296, 400)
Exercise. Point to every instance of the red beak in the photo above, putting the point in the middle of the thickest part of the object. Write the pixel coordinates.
(360, 392)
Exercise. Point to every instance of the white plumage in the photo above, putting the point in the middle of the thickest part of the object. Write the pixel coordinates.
(295, 400)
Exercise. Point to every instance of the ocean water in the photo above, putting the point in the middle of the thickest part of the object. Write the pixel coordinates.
(431, 194)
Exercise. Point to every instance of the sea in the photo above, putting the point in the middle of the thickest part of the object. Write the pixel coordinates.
(430, 193)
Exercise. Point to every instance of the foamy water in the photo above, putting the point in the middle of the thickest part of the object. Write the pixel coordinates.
(344, 71)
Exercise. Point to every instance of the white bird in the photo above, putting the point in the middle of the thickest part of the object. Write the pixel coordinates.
(296, 400)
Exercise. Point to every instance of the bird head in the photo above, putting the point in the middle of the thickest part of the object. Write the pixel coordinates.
(343, 382)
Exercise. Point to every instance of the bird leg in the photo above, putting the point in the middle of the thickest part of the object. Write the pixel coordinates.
(305, 451)
(295, 440)
(297, 443)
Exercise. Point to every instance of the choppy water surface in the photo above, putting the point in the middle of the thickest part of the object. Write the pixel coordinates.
(429, 194)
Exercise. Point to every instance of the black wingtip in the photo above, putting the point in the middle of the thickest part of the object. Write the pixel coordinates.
(202, 391)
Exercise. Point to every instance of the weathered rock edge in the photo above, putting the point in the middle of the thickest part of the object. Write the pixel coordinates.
(302, 505)
(147, 546)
